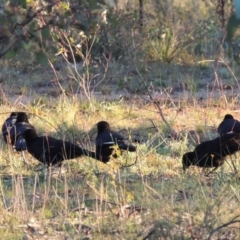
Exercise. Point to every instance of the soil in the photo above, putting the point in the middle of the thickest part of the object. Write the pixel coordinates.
(24, 87)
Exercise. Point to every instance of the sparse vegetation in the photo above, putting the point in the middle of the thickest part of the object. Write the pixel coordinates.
(167, 83)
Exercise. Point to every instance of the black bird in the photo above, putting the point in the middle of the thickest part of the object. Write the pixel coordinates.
(50, 151)
(14, 127)
(7, 125)
(106, 139)
(229, 125)
(212, 153)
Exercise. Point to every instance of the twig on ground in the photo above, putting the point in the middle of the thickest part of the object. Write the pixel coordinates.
(130, 165)
(223, 225)
(173, 132)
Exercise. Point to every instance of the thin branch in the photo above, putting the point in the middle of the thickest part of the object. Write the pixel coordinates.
(173, 132)
(224, 225)
(130, 165)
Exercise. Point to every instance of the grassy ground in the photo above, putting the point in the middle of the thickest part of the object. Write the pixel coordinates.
(182, 65)
(151, 200)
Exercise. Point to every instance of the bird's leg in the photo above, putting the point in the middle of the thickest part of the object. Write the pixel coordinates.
(24, 158)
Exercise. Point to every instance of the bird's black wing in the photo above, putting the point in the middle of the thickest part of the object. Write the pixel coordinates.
(221, 146)
(228, 126)
(230, 143)
(7, 125)
(126, 146)
(50, 150)
(108, 137)
(16, 133)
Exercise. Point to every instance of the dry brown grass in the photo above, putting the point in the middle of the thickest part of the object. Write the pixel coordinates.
(93, 200)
